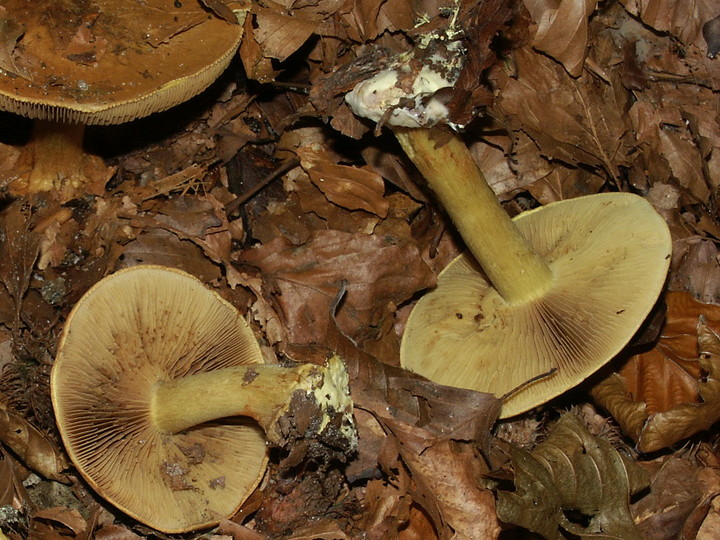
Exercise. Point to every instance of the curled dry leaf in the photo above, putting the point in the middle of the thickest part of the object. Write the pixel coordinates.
(672, 391)
(562, 30)
(371, 274)
(574, 482)
(431, 433)
(353, 188)
(31, 446)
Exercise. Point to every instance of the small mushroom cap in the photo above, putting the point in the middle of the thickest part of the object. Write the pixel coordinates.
(609, 254)
(133, 330)
(110, 61)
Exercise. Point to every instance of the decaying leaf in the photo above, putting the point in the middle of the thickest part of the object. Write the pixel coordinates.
(574, 482)
(674, 494)
(428, 448)
(304, 281)
(671, 392)
(10, 33)
(562, 30)
(353, 188)
(572, 120)
(32, 446)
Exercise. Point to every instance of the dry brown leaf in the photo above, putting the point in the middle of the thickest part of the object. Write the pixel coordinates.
(51, 523)
(675, 492)
(366, 20)
(159, 246)
(669, 147)
(280, 35)
(387, 508)
(257, 65)
(201, 220)
(576, 121)
(562, 30)
(430, 448)
(672, 391)
(367, 275)
(696, 268)
(353, 188)
(19, 249)
(682, 19)
(36, 450)
(565, 183)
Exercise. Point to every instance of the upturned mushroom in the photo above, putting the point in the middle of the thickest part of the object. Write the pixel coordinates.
(540, 302)
(165, 406)
(101, 62)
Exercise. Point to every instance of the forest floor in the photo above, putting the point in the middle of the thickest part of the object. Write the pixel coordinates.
(319, 229)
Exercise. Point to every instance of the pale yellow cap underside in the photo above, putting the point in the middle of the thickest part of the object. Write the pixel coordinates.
(609, 254)
(132, 330)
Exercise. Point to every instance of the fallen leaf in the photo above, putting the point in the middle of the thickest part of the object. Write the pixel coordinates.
(376, 273)
(675, 492)
(671, 392)
(429, 451)
(562, 30)
(696, 268)
(354, 188)
(279, 35)
(35, 449)
(684, 20)
(573, 120)
(575, 482)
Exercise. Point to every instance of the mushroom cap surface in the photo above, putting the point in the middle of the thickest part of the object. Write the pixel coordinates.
(131, 331)
(609, 254)
(110, 61)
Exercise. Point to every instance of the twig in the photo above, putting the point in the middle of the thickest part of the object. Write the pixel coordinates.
(236, 203)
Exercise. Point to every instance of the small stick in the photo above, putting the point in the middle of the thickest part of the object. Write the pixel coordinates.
(236, 203)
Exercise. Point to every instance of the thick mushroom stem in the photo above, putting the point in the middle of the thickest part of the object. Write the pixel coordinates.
(57, 155)
(259, 391)
(516, 271)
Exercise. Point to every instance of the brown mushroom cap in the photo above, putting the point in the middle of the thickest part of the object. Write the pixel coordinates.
(111, 61)
(609, 254)
(125, 336)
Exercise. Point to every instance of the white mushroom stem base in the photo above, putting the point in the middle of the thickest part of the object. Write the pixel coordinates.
(262, 392)
(515, 270)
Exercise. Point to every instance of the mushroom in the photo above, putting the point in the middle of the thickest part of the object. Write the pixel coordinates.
(97, 63)
(164, 405)
(543, 300)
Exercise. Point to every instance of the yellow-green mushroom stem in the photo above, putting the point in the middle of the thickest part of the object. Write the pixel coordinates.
(260, 391)
(516, 271)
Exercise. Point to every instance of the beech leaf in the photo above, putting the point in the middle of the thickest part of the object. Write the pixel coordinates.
(672, 391)
(31, 446)
(572, 474)
(562, 30)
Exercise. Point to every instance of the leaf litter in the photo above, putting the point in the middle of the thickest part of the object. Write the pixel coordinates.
(558, 100)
